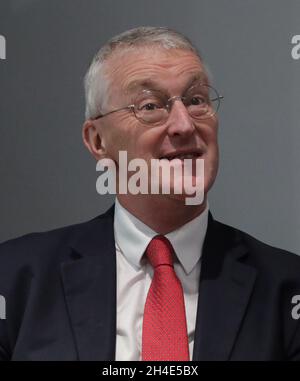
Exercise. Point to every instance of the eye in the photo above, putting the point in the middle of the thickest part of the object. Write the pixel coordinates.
(197, 100)
(149, 106)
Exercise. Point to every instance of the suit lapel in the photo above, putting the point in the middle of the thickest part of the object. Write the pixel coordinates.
(226, 285)
(89, 281)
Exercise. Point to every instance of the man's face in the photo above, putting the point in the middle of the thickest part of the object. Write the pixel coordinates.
(171, 72)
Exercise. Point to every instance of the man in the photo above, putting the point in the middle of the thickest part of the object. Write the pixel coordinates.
(153, 278)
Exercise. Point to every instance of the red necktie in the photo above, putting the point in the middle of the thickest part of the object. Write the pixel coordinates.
(164, 324)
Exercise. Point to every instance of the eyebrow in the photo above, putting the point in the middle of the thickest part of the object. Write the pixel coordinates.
(143, 84)
(149, 83)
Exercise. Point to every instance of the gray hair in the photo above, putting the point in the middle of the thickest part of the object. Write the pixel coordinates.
(96, 83)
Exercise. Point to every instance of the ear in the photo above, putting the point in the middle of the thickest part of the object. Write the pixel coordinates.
(92, 139)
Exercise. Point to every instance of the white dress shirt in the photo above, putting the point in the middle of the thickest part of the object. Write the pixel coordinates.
(134, 275)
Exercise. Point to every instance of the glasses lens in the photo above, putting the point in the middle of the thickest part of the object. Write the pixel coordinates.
(150, 107)
(202, 101)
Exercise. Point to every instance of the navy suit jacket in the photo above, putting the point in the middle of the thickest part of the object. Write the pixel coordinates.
(60, 291)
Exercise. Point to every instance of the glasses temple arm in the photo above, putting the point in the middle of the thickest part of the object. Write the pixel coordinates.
(111, 112)
(217, 98)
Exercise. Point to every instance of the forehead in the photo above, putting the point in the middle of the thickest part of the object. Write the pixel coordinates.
(155, 67)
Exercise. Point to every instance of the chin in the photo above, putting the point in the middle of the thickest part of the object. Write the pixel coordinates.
(181, 200)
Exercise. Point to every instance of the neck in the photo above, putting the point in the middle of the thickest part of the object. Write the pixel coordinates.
(161, 214)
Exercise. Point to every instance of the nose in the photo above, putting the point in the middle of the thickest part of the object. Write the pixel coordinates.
(179, 122)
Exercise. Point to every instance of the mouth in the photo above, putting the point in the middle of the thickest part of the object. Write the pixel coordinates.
(181, 155)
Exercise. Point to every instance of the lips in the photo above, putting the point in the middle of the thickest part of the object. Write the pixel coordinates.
(181, 155)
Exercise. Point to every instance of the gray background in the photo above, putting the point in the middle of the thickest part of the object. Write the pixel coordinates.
(48, 178)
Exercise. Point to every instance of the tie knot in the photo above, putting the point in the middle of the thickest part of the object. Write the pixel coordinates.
(159, 251)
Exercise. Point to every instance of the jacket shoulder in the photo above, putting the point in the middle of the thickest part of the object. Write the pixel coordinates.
(263, 255)
(38, 247)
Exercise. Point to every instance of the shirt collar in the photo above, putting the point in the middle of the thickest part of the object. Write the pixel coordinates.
(132, 237)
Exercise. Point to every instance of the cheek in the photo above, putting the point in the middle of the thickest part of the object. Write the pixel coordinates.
(213, 152)
(148, 143)
(113, 144)
(212, 163)
(127, 135)
(210, 136)
(210, 133)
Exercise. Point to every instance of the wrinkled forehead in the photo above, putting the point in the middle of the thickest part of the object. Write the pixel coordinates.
(169, 70)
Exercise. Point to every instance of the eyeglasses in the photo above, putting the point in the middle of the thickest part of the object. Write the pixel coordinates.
(202, 101)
